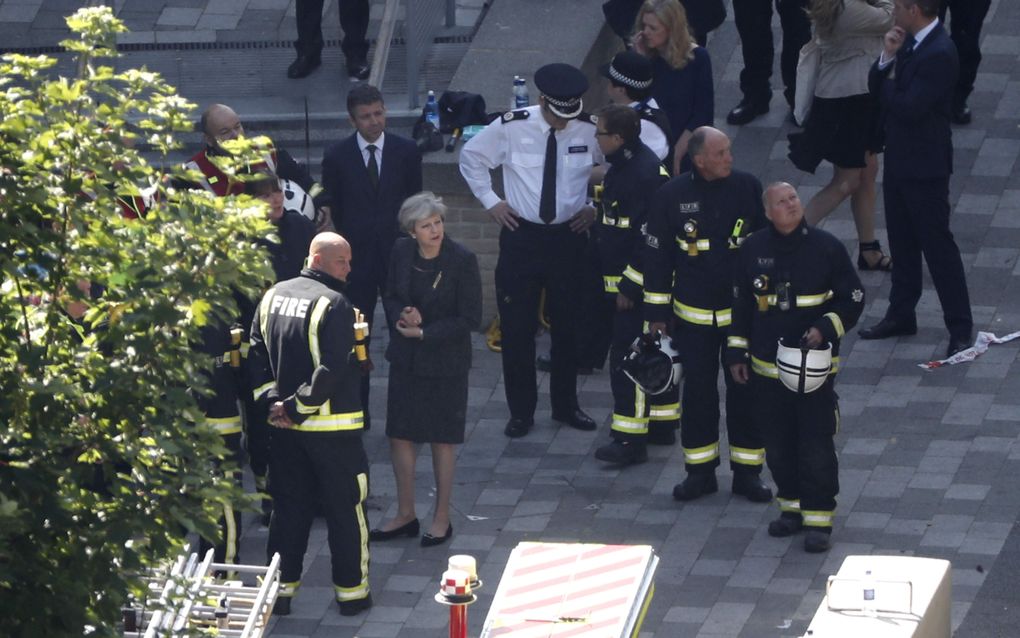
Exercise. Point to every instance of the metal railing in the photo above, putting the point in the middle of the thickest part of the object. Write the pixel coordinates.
(422, 18)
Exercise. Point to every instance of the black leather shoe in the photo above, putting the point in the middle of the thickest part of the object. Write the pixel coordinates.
(661, 436)
(409, 529)
(816, 541)
(576, 419)
(516, 428)
(695, 486)
(428, 540)
(304, 65)
(751, 487)
(961, 115)
(543, 363)
(282, 606)
(887, 328)
(785, 525)
(623, 453)
(956, 344)
(354, 607)
(746, 111)
(358, 72)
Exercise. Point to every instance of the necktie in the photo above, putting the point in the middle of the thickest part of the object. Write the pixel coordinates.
(373, 166)
(547, 202)
(908, 46)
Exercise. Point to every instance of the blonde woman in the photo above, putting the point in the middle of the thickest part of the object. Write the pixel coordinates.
(842, 127)
(682, 71)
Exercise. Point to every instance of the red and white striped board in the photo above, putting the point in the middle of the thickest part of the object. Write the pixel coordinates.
(572, 590)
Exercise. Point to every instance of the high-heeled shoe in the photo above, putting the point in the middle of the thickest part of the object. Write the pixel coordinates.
(884, 262)
(409, 530)
(428, 540)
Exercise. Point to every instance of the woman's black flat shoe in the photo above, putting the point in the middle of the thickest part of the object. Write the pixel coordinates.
(428, 540)
(407, 529)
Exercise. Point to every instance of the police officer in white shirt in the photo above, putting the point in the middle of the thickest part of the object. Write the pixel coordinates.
(547, 153)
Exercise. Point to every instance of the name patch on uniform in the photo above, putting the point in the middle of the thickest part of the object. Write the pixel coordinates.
(688, 207)
(289, 306)
(577, 149)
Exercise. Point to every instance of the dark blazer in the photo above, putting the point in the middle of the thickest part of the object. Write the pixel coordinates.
(451, 310)
(916, 94)
(367, 217)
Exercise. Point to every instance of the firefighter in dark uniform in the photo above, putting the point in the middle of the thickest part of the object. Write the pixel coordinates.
(697, 222)
(547, 153)
(634, 175)
(306, 361)
(796, 283)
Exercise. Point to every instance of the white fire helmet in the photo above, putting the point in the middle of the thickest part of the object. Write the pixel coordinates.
(296, 199)
(803, 370)
(653, 363)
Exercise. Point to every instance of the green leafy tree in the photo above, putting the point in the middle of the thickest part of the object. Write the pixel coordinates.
(105, 461)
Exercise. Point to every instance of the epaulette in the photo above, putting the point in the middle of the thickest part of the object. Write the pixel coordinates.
(589, 118)
(512, 116)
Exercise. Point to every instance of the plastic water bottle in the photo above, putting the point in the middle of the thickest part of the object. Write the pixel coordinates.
(868, 590)
(521, 98)
(432, 110)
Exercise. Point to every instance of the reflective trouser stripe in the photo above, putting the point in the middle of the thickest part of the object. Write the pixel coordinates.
(747, 456)
(359, 591)
(629, 424)
(664, 412)
(700, 455)
(332, 422)
(611, 283)
(818, 518)
(737, 342)
(288, 590)
(837, 323)
(225, 425)
(788, 505)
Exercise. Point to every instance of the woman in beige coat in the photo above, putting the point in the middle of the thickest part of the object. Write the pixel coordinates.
(842, 126)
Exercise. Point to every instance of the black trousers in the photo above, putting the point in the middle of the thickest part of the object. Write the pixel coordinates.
(353, 20)
(533, 257)
(754, 24)
(965, 20)
(799, 447)
(917, 220)
(701, 349)
(226, 550)
(304, 465)
(635, 414)
(595, 332)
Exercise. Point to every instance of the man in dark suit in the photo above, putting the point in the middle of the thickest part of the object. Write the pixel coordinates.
(367, 177)
(966, 18)
(914, 80)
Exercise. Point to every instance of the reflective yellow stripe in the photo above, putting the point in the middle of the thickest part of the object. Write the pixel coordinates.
(809, 301)
(788, 505)
(629, 424)
(245, 347)
(332, 422)
(737, 342)
(764, 368)
(837, 323)
(611, 283)
(616, 222)
(225, 425)
(702, 316)
(818, 518)
(664, 412)
(313, 329)
(702, 244)
(657, 298)
(262, 389)
(359, 591)
(287, 590)
(747, 456)
(699, 455)
(230, 550)
(634, 275)
(264, 313)
(315, 189)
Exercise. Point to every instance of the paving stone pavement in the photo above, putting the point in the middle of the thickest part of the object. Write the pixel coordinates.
(928, 459)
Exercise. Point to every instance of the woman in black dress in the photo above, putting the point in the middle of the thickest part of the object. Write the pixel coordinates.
(433, 302)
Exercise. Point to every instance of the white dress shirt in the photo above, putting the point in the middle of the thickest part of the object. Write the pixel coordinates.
(652, 135)
(363, 145)
(918, 38)
(519, 147)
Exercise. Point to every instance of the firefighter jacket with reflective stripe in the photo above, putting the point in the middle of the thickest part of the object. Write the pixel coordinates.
(633, 177)
(694, 229)
(219, 405)
(302, 352)
(785, 285)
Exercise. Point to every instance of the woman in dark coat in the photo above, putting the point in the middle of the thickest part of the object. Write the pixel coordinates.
(433, 302)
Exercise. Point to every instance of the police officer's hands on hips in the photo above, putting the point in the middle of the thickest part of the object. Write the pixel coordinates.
(278, 416)
(504, 215)
(623, 302)
(740, 373)
(657, 327)
(582, 220)
(812, 338)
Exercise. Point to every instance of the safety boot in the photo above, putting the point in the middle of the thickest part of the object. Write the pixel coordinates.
(695, 485)
(785, 525)
(623, 452)
(816, 541)
(750, 486)
(354, 607)
(282, 606)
